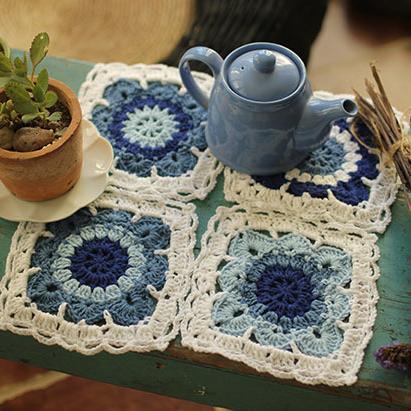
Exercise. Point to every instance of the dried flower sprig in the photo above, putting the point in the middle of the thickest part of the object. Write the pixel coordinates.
(396, 356)
(390, 136)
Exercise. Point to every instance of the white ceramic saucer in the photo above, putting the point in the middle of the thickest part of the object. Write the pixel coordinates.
(97, 160)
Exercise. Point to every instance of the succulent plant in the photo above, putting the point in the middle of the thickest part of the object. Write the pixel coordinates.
(28, 98)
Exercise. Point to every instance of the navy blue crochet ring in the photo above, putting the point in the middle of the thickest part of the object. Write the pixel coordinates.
(152, 126)
(98, 263)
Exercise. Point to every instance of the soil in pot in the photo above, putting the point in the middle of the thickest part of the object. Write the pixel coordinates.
(37, 133)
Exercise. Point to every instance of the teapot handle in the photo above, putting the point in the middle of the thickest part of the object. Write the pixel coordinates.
(206, 56)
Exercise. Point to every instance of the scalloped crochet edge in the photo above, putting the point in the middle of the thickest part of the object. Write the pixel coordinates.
(338, 369)
(20, 316)
(373, 215)
(196, 183)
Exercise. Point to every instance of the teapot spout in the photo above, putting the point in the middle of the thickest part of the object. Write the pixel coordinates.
(318, 115)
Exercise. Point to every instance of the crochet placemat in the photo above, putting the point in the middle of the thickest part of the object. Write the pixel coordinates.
(287, 297)
(111, 277)
(155, 127)
(284, 282)
(341, 181)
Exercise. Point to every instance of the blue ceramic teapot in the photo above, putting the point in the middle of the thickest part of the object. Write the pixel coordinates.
(262, 116)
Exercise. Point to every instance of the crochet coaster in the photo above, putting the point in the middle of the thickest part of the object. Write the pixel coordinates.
(340, 181)
(155, 127)
(287, 297)
(111, 277)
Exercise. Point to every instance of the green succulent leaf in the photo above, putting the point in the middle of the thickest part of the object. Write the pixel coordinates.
(39, 48)
(38, 94)
(43, 80)
(4, 81)
(20, 66)
(4, 48)
(50, 99)
(9, 105)
(23, 81)
(56, 116)
(6, 65)
(26, 118)
(16, 79)
(22, 101)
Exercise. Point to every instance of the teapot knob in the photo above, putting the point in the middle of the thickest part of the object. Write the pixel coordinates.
(264, 61)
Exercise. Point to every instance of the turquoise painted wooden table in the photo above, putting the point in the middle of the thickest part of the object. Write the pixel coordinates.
(214, 380)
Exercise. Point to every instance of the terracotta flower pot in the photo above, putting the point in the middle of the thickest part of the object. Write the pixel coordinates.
(54, 169)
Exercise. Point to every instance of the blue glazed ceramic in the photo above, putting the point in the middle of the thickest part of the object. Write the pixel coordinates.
(262, 116)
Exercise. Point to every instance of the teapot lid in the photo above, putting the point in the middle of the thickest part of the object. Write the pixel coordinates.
(263, 75)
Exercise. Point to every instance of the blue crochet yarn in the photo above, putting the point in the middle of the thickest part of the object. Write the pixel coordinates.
(46, 292)
(326, 160)
(153, 126)
(284, 290)
(133, 304)
(98, 263)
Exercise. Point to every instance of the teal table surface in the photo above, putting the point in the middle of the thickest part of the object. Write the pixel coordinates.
(213, 380)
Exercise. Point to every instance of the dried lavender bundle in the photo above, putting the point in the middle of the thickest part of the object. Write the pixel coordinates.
(396, 356)
(390, 138)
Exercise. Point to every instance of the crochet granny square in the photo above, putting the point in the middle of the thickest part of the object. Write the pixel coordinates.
(287, 297)
(341, 181)
(110, 277)
(155, 127)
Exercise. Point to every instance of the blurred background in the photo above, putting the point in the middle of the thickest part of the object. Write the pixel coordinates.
(337, 39)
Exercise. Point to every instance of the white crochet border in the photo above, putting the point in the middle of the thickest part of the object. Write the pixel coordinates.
(19, 315)
(196, 183)
(199, 333)
(373, 215)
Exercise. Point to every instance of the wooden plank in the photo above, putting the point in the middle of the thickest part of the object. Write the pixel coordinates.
(180, 377)
(211, 379)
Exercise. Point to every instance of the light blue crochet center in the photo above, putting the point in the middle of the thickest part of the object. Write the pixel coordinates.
(150, 126)
(325, 160)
